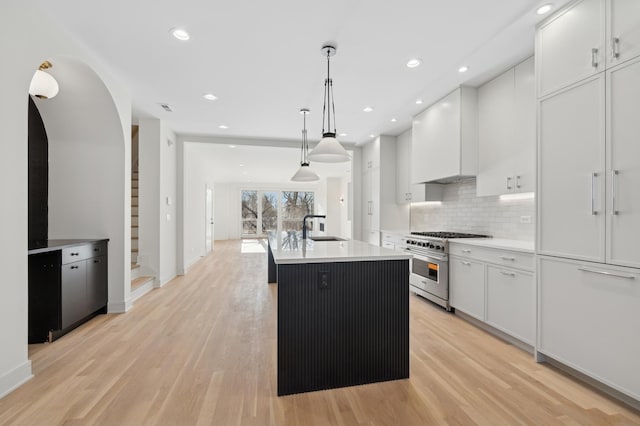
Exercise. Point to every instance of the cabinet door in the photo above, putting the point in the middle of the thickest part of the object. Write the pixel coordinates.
(371, 154)
(366, 201)
(570, 46)
(375, 199)
(511, 302)
(623, 30)
(466, 286)
(496, 118)
(403, 160)
(571, 204)
(97, 283)
(73, 293)
(524, 136)
(623, 141)
(588, 319)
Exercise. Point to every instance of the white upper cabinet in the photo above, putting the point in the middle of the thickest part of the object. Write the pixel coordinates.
(623, 158)
(570, 46)
(406, 192)
(506, 132)
(571, 181)
(623, 30)
(445, 139)
(371, 154)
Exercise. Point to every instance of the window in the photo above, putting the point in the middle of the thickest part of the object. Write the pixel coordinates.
(295, 205)
(249, 212)
(274, 211)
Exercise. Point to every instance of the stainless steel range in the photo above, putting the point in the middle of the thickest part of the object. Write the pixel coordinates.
(430, 264)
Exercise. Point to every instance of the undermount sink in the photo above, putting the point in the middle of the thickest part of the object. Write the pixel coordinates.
(325, 238)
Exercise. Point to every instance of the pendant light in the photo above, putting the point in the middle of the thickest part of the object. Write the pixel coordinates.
(304, 173)
(329, 149)
(43, 85)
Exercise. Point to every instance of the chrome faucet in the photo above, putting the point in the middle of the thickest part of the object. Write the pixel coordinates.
(304, 223)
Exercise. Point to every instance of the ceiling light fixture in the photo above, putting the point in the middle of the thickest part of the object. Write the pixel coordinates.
(210, 96)
(393, 120)
(180, 34)
(544, 9)
(372, 135)
(304, 173)
(463, 68)
(419, 102)
(414, 62)
(329, 150)
(43, 85)
(222, 126)
(367, 109)
(231, 146)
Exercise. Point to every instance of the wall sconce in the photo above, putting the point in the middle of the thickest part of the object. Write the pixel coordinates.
(43, 85)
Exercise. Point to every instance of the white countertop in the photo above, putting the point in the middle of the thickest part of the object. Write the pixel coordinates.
(500, 243)
(288, 249)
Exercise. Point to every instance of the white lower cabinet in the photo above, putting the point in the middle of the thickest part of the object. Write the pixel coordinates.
(589, 319)
(495, 286)
(467, 294)
(511, 302)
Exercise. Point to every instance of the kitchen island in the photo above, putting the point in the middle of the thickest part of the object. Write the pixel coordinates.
(343, 313)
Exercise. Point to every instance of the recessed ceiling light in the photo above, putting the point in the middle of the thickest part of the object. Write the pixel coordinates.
(463, 68)
(372, 135)
(343, 134)
(393, 120)
(544, 9)
(367, 109)
(222, 126)
(419, 101)
(231, 146)
(241, 165)
(210, 96)
(180, 34)
(414, 62)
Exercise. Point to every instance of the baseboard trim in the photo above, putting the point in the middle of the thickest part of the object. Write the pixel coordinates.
(164, 281)
(15, 378)
(119, 307)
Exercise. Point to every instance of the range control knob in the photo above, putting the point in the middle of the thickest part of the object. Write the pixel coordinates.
(439, 248)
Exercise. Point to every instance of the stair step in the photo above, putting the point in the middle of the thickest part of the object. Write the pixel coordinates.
(140, 281)
(134, 266)
(134, 250)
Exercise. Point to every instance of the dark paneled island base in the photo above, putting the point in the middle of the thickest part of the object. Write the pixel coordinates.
(342, 324)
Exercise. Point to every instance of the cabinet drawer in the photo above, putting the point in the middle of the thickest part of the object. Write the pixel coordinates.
(82, 252)
(587, 310)
(512, 259)
(389, 245)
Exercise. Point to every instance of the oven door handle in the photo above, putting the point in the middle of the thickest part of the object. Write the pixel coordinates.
(427, 258)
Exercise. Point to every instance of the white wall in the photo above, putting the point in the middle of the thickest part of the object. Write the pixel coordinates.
(157, 218)
(34, 38)
(197, 176)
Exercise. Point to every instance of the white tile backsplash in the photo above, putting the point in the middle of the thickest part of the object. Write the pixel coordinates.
(462, 211)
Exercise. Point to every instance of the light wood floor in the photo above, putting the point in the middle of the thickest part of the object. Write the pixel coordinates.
(202, 350)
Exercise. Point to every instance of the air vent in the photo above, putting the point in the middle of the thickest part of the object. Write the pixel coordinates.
(166, 107)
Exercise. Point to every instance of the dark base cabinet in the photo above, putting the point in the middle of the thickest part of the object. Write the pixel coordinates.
(67, 286)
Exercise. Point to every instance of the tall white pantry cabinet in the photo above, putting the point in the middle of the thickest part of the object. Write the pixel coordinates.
(588, 82)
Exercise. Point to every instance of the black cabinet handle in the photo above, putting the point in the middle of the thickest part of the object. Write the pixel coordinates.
(96, 249)
(74, 267)
(96, 261)
(75, 254)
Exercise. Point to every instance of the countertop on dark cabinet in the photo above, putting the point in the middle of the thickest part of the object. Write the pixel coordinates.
(52, 245)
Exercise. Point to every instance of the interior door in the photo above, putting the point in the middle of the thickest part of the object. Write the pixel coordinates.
(208, 238)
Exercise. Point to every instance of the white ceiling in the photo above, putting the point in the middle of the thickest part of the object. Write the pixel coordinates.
(257, 164)
(262, 58)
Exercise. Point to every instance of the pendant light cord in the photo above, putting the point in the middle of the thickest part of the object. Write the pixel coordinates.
(328, 99)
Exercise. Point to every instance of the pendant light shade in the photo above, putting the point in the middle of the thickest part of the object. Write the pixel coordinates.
(43, 85)
(329, 150)
(304, 173)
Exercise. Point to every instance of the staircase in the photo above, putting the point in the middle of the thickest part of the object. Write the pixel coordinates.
(140, 283)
